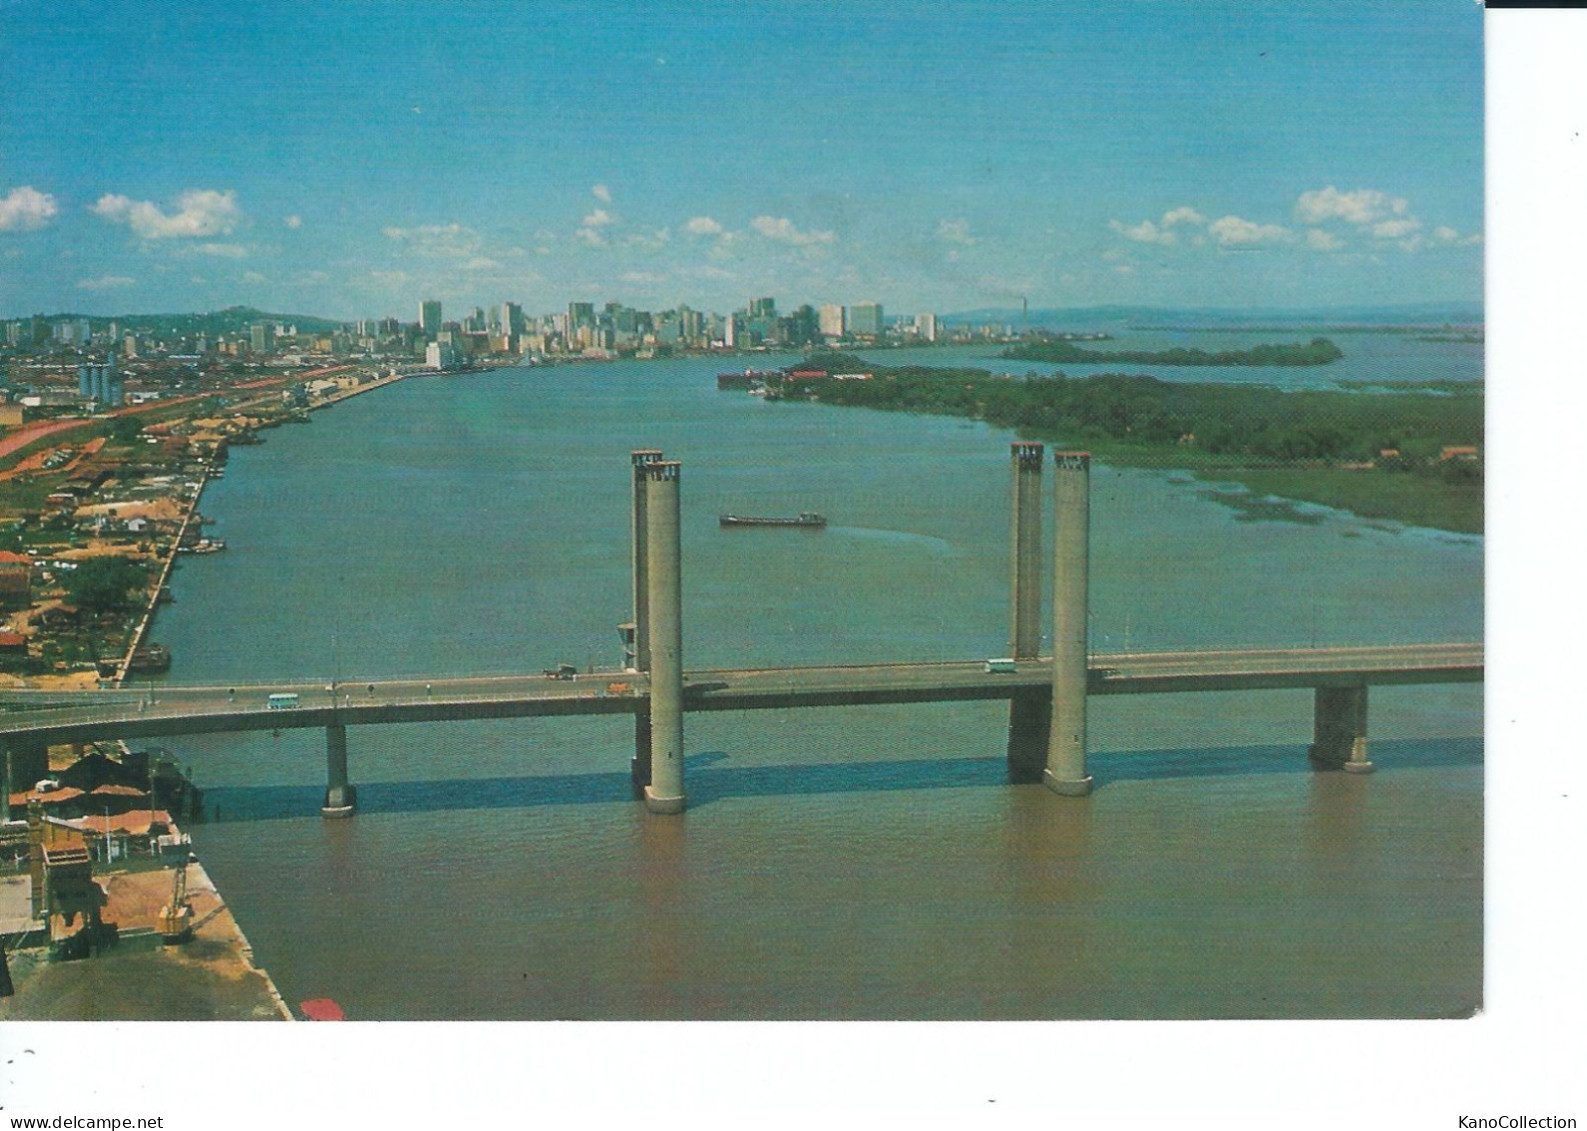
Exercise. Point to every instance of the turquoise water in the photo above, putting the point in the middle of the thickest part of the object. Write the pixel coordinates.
(866, 862)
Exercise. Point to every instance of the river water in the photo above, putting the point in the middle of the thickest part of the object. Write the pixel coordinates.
(844, 863)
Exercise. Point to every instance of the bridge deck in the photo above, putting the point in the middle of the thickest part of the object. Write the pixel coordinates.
(41, 716)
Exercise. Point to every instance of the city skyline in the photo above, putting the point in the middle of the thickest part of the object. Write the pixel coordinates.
(926, 158)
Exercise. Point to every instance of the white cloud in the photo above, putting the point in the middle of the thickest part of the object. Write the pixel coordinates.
(1445, 234)
(1182, 215)
(1232, 231)
(293, 221)
(1144, 232)
(105, 283)
(602, 193)
(599, 219)
(253, 277)
(642, 277)
(439, 241)
(199, 212)
(780, 229)
(223, 250)
(703, 226)
(1319, 240)
(1396, 229)
(26, 209)
(1363, 206)
(955, 231)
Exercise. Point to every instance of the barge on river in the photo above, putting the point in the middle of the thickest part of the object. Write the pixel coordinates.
(805, 519)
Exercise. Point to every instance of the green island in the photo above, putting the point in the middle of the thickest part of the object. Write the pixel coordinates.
(1318, 351)
(1411, 457)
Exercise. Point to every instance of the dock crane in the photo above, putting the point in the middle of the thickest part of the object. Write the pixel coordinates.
(176, 918)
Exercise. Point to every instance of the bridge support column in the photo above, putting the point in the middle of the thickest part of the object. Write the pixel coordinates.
(639, 767)
(1030, 713)
(25, 763)
(1340, 730)
(664, 794)
(1066, 744)
(341, 798)
(36, 860)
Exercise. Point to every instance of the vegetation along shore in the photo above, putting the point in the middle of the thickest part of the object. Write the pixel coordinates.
(1412, 457)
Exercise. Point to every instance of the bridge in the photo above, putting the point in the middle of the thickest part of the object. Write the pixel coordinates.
(655, 689)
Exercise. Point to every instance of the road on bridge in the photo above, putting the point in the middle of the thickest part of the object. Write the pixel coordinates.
(160, 709)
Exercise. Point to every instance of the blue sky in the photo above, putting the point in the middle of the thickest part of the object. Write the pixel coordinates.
(351, 158)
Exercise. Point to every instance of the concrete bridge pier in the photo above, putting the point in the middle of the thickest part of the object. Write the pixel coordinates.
(1340, 730)
(664, 794)
(1066, 744)
(641, 458)
(341, 797)
(1029, 713)
(25, 764)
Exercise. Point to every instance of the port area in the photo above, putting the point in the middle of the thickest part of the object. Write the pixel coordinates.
(210, 977)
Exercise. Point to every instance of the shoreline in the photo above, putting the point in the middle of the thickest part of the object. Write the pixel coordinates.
(211, 977)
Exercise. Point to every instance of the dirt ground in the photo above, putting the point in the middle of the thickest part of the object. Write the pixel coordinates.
(210, 978)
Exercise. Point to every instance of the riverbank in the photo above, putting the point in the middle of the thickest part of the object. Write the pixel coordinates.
(210, 978)
(1411, 457)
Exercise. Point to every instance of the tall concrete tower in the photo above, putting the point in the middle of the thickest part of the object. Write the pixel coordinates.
(1066, 745)
(1030, 713)
(639, 643)
(663, 563)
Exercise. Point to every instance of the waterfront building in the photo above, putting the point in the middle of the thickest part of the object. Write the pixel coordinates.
(865, 320)
(833, 324)
(443, 355)
(730, 331)
(926, 327)
(763, 308)
(430, 317)
(580, 314)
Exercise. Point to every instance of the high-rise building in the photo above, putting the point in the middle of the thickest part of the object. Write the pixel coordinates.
(832, 322)
(763, 308)
(73, 331)
(865, 320)
(926, 327)
(580, 314)
(262, 337)
(430, 317)
(101, 383)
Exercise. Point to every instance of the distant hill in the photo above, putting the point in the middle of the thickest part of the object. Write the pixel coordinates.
(232, 320)
(1085, 317)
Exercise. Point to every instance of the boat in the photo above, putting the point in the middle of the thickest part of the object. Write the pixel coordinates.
(150, 658)
(321, 1009)
(805, 518)
(145, 660)
(748, 379)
